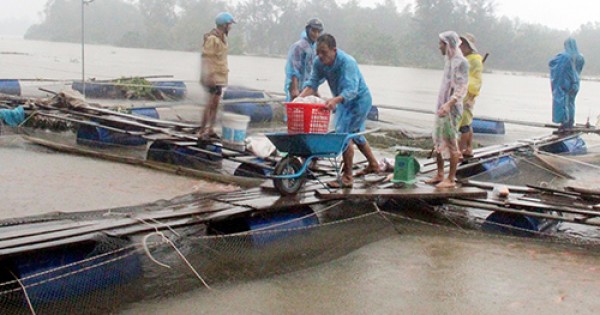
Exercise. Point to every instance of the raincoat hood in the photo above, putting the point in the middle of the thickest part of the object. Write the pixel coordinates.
(452, 41)
(571, 46)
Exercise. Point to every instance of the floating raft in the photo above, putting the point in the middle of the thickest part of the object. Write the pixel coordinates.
(572, 204)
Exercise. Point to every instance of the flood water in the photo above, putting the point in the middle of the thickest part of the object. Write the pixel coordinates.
(424, 270)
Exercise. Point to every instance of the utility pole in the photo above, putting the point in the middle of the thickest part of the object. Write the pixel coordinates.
(83, 4)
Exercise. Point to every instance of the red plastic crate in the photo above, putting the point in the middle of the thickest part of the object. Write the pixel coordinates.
(307, 118)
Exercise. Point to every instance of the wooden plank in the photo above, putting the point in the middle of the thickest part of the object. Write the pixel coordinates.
(490, 186)
(110, 223)
(145, 119)
(24, 230)
(275, 202)
(423, 193)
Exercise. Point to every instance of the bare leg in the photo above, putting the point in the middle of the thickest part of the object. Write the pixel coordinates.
(440, 170)
(462, 142)
(347, 178)
(210, 114)
(373, 166)
(469, 142)
(449, 182)
(348, 157)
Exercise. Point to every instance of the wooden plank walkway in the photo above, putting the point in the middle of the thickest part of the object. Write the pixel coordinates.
(419, 192)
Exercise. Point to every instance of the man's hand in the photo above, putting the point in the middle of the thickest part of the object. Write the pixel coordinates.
(294, 93)
(444, 109)
(332, 102)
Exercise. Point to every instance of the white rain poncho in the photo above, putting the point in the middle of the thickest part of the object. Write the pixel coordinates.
(454, 85)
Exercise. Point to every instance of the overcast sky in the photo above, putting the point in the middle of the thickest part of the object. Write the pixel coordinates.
(16, 15)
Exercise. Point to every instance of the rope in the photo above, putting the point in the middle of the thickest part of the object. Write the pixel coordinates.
(29, 304)
(168, 241)
(49, 271)
(386, 218)
(69, 273)
(165, 239)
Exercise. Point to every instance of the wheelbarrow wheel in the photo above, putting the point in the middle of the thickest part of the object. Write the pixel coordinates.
(288, 166)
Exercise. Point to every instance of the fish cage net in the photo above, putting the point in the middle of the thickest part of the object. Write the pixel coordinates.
(103, 275)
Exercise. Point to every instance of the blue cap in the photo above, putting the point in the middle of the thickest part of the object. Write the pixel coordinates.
(224, 18)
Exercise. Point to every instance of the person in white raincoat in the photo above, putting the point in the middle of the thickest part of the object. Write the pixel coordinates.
(449, 108)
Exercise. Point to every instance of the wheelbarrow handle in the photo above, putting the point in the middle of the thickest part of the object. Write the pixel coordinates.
(358, 134)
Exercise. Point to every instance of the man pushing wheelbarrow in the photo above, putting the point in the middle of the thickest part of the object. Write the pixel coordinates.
(351, 101)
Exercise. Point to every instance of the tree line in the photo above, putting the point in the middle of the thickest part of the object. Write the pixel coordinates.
(383, 35)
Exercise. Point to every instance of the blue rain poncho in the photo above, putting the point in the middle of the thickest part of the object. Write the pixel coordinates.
(299, 63)
(565, 71)
(344, 79)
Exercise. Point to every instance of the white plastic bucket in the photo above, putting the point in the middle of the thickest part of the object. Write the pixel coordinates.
(234, 131)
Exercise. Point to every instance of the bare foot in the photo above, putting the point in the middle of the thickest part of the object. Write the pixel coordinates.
(388, 178)
(345, 183)
(434, 180)
(446, 183)
(368, 170)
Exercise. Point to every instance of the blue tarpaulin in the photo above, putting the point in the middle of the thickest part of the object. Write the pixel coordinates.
(12, 117)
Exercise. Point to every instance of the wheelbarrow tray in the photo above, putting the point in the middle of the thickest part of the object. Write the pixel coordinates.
(310, 144)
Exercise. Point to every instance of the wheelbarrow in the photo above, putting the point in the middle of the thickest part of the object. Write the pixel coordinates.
(302, 148)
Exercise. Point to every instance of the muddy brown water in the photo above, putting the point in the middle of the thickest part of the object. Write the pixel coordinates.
(424, 270)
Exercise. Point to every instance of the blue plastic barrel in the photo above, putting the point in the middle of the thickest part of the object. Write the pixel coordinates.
(517, 224)
(48, 282)
(145, 111)
(268, 226)
(237, 92)
(99, 137)
(96, 90)
(511, 223)
(502, 167)
(173, 89)
(495, 169)
(10, 86)
(102, 137)
(284, 224)
(183, 156)
(257, 112)
(488, 126)
(574, 146)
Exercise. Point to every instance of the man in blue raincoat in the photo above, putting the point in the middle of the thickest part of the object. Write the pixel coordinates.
(300, 59)
(351, 100)
(565, 71)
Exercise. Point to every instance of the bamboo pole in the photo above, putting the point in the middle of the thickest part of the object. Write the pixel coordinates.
(510, 121)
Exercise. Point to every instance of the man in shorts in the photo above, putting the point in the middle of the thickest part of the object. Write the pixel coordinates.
(467, 46)
(213, 75)
(449, 108)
